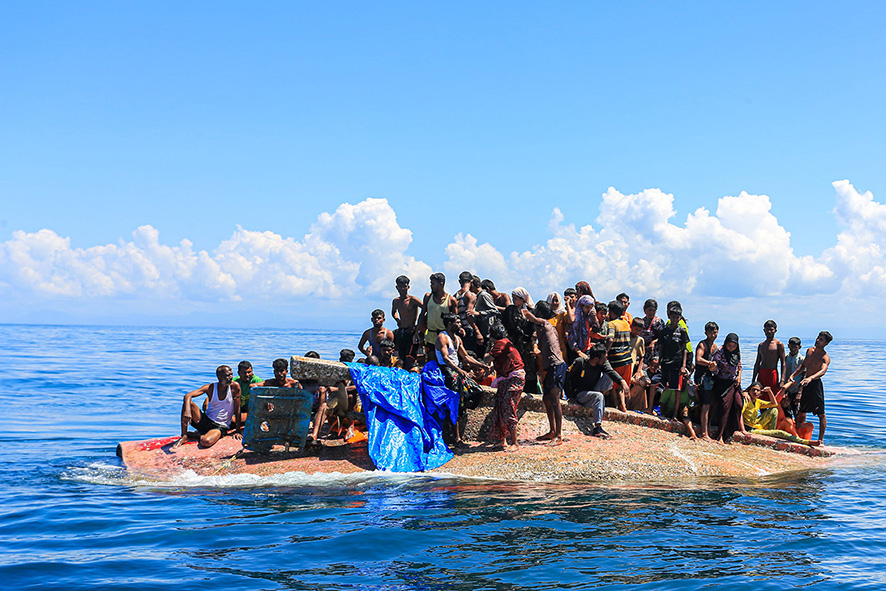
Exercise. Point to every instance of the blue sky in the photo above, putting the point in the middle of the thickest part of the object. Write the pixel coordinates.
(462, 120)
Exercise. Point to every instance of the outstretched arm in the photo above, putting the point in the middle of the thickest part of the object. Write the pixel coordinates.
(468, 358)
(532, 318)
(802, 368)
(784, 366)
(825, 362)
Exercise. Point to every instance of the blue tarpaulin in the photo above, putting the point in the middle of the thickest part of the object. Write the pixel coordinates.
(403, 435)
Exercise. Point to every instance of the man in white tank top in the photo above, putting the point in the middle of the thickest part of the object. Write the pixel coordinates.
(222, 410)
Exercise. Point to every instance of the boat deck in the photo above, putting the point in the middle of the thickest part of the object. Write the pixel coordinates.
(642, 448)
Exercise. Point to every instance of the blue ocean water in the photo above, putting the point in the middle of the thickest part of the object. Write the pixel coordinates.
(71, 518)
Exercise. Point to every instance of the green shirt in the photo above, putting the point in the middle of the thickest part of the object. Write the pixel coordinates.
(244, 391)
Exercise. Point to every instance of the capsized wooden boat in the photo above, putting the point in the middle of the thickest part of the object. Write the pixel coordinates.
(642, 448)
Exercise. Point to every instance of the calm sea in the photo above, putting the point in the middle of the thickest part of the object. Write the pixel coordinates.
(70, 518)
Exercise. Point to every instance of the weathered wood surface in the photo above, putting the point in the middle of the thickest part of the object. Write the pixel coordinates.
(324, 371)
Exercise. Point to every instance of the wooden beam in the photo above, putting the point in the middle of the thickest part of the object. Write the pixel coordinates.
(325, 372)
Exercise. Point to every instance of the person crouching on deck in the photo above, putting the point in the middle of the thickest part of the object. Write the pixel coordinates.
(587, 382)
(223, 403)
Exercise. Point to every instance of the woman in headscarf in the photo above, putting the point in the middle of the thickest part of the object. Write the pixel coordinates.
(556, 304)
(727, 386)
(585, 319)
(584, 288)
(521, 294)
(520, 332)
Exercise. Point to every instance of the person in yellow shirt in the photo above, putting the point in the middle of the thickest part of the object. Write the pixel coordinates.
(756, 412)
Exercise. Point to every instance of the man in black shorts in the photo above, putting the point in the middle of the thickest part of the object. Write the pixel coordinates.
(815, 365)
(222, 410)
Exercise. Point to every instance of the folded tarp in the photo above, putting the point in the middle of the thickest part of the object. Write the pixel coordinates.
(441, 403)
(403, 436)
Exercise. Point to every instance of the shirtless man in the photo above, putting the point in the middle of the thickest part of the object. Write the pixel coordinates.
(369, 342)
(387, 359)
(433, 306)
(769, 354)
(555, 370)
(405, 309)
(223, 403)
(280, 379)
(502, 300)
(465, 299)
(815, 365)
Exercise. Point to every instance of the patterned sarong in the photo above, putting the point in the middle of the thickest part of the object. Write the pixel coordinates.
(504, 410)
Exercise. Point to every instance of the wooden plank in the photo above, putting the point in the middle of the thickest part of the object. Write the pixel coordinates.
(323, 371)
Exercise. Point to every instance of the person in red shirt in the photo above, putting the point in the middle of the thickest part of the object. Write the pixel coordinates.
(508, 364)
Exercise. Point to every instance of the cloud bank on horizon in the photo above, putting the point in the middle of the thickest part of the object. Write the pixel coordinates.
(738, 251)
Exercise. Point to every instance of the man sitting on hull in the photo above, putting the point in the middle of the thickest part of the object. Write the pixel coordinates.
(223, 404)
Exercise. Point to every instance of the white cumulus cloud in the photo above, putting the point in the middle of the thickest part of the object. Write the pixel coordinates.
(637, 243)
(858, 260)
(356, 249)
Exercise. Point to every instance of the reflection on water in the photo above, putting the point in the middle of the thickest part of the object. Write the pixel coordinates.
(70, 516)
(482, 535)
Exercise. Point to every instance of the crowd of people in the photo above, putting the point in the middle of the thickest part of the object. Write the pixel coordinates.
(567, 346)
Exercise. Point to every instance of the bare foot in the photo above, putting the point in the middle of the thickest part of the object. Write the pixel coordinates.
(546, 437)
(720, 441)
(555, 442)
(706, 437)
(179, 443)
(693, 438)
(512, 448)
(815, 442)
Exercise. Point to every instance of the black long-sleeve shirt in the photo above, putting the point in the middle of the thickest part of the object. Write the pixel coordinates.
(583, 376)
